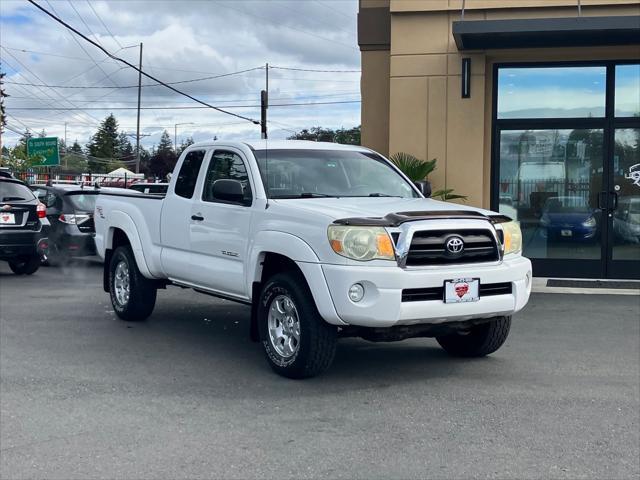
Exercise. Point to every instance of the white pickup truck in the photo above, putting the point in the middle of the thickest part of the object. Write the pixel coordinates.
(323, 241)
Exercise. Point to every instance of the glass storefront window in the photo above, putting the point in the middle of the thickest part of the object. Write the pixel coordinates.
(627, 93)
(626, 185)
(551, 92)
(549, 182)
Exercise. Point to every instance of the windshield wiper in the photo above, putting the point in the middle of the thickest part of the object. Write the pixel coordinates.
(383, 195)
(306, 195)
(10, 199)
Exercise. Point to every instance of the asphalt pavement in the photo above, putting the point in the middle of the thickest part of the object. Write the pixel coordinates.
(186, 394)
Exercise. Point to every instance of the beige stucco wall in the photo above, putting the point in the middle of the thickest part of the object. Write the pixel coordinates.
(426, 115)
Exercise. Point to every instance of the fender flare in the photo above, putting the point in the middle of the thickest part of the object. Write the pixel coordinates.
(299, 251)
(119, 219)
(272, 241)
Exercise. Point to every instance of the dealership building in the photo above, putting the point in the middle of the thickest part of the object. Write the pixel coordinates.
(531, 108)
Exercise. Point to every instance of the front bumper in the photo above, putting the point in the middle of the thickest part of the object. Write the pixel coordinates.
(382, 305)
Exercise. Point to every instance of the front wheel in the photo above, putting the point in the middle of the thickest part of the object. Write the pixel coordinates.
(481, 340)
(298, 343)
(25, 265)
(132, 295)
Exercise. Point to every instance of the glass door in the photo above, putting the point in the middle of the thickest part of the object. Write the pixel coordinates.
(566, 165)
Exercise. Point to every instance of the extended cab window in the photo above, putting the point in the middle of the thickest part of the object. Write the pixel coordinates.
(188, 176)
(226, 166)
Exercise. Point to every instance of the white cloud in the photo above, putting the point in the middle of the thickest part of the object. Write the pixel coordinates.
(182, 40)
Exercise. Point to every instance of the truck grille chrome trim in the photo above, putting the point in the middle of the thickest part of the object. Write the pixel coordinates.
(420, 244)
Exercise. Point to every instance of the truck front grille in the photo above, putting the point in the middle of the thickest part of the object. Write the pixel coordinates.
(428, 247)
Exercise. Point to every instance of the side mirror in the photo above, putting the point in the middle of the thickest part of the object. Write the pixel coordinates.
(425, 187)
(228, 191)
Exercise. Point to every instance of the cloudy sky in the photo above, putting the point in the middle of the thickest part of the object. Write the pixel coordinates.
(183, 40)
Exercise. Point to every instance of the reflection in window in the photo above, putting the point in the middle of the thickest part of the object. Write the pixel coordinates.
(626, 178)
(551, 92)
(549, 182)
(627, 93)
(226, 166)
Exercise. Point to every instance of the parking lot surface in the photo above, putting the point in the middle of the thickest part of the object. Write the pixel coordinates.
(186, 394)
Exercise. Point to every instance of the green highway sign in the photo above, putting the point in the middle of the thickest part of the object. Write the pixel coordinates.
(46, 149)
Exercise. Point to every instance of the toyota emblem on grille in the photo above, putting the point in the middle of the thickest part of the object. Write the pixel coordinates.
(454, 245)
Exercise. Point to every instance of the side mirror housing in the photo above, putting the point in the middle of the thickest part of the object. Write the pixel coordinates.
(425, 187)
(228, 190)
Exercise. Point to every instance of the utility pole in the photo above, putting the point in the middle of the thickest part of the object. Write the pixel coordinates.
(66, 147)
(138, 122)
(264, 104)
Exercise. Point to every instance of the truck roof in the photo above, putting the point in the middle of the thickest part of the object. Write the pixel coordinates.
(259, 144)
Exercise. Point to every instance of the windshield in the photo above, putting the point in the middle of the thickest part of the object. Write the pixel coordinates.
(567, 205)
(14, 192)
(85, 202)
(329, 173)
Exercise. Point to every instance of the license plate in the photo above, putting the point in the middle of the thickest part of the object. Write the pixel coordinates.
(566, 233)
(461, 290)
(7, 219)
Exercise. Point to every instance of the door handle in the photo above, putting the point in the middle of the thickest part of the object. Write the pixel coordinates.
(602, 200)
(197, 218)
(615, 200)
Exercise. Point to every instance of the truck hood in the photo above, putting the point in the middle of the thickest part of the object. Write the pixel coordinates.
(348, 207)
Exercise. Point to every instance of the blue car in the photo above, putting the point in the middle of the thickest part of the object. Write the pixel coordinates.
(568, 218)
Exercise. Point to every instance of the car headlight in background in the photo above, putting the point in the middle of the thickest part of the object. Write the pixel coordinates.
(512, 237)
(589, 222)
(361, 243)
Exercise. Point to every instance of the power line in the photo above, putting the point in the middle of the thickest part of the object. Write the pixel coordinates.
(315, 70)
(190, 107)
(102, 87)
(103, 24)
(87, 39)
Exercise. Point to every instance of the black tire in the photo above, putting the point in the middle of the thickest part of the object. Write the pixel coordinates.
(25, 265)
(317, 339)
(482, 340)
(142, 291)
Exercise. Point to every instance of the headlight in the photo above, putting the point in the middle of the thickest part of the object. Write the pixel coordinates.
(512, 237)
(589, 222)
(361, 243)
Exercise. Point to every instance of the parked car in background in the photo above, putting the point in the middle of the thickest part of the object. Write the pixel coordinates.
(21, 228)
(147, 187)
(5, 173)
(69, 209)
(569, 218)
(626, 219)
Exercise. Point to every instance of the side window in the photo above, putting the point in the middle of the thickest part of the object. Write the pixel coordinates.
(188, 176)
(226, 166)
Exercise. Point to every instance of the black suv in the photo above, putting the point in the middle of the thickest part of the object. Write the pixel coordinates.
(21, 230)
(70, 212)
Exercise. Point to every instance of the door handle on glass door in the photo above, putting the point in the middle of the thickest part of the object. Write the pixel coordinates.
(197, 218)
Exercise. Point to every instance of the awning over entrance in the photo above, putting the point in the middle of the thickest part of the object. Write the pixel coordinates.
(547, 32)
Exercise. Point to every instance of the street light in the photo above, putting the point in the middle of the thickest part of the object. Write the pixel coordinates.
(175, 134)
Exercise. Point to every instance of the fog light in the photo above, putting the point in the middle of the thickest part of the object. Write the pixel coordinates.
(356, 292)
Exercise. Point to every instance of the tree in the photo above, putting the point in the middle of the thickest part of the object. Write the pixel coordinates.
(349, 136)
(184, 144)
(104, 144)
(163, 158)
(74, 159)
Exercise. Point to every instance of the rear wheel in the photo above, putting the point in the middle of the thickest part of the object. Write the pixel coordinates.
(25, 265)
(298, 343)
(133, 296)
(481, 340)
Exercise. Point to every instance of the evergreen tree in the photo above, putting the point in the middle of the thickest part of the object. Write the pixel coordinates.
(183, 145)
(74, 160)
(163, 158)
(125, 149)
(104, 144)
